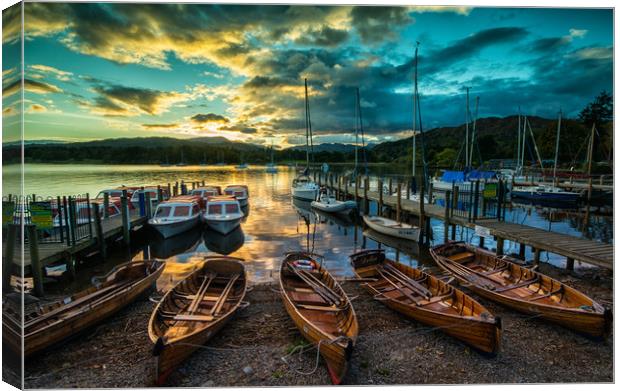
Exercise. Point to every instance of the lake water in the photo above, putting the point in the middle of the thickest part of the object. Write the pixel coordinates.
(275, 223)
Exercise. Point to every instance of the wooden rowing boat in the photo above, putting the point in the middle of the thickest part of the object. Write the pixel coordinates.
(393, 228)
(55, 322)
(320, 309)
(428, 300)
(195, 310)
(525, 290)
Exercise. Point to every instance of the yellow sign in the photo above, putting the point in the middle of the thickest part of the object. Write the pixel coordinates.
(8, 209)
(41, 214)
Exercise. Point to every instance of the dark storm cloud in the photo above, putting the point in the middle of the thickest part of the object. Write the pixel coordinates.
(146, 100)
(472, 45)
(37, 87)
(545, 45)
(240, 128)
(325, 36)
(210, 117)
(376, 24)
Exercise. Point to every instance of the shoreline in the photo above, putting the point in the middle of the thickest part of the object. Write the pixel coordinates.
(390, 349)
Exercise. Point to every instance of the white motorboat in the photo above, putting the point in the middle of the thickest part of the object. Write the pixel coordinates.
(223, 213)
(304, 188)
(152, 191)
(393, 228)
(329, 203)
(240, 192)
(176, 216)
(207, 191)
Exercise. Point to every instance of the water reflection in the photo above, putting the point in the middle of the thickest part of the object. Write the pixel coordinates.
(223, 244)
(178, 244)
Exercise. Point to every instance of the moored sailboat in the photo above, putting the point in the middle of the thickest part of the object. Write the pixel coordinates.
(303, 186)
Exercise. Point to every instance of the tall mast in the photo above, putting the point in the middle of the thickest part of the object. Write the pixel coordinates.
(307, 124)
(518, 166)
(557, 146)
(415, 106)
(523, 141)
(473, 134)
(466, 127)
(591, 150)
(357, 99)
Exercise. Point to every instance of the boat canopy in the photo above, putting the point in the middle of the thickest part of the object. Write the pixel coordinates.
(462, 176)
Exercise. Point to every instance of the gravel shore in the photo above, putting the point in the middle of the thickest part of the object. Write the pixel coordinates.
(390, 350)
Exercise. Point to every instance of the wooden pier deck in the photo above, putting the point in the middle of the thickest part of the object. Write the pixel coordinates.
(571, 247)
(50, 253)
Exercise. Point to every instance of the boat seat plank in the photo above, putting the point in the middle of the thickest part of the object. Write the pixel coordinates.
(519, 285)
(460, 256)
(194, 318)
(319, 308)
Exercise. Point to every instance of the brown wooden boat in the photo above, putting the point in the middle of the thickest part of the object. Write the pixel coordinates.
(428, 300)
(54, 322)
(320, 309)
(523, 289)
(195, 310)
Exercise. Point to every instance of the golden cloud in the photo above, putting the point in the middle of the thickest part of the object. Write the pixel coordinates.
(37, 87)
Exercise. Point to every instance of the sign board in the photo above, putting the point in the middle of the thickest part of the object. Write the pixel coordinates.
(8, 209)
(490, 190)
(483, 232)
(41, 214)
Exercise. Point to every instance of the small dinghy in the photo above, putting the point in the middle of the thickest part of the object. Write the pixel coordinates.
(393, 228)
(320, 309)
(195, 310)
(428, 300)
(523, 289)
(223, 214)
(52, 323)
(177, 215)
(207, 191)
(328, 203)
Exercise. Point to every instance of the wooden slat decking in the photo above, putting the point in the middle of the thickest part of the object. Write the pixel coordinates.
(53, 252)
(579, 249)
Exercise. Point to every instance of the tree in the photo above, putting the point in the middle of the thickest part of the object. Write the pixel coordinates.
(598, 112)
(445, 158)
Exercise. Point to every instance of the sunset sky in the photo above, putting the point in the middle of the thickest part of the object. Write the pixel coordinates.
(98, 70)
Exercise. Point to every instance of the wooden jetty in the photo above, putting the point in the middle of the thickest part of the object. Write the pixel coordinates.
(573, 248)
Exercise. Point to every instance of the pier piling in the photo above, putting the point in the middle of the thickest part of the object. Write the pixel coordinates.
(99, 231)
(125, 217)
(35, 261)
(7, 260)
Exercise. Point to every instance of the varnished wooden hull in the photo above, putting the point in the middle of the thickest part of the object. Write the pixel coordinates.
(171, 349)
(579, 313)
(335, 350)
(37, 337)
(482, 331)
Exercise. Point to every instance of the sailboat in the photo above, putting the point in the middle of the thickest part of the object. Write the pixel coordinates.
(166, 164)
(241, 165)
(303, 187)
(182, 162)
(544, 192)
(354, 174)
(416, 103)
(465, 179)
(271, 167)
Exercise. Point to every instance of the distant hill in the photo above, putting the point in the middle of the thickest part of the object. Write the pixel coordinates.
(496, 138)
(331, 147)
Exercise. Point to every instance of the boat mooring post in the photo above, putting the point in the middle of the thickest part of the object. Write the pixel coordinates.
(380, 190)
(160, 195)
(390, 186)
(35, 261)
(357, 188)
(521, 251)
(500, 246)
(430, 192)
(142, 206)
(106, 205)
(408, 184)
(570, 264)
(446, 216)
(366, 201)
(455, 200)
(338, 192)
(9, 253)
(398, 202)
(346, 188)
(536, 255)
(125, 218)
(169, 191)
(422, 219)
(99, 230)
(147, 202)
